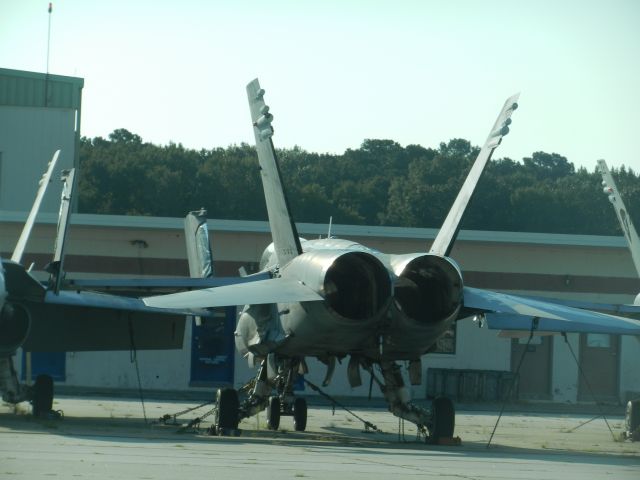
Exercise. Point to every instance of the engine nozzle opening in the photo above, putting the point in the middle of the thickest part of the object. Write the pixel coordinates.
(357, 286)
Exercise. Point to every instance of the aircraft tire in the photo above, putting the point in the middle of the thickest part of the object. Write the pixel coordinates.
(444, 418)
(42, 401)
(228, 409)
(300, 414)
(273, 413)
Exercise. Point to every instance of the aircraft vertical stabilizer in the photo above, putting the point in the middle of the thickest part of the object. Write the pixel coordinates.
(284, 232)
(443, 243)
(622, 213)
(196, 237)
(26, 231)
(56, 267)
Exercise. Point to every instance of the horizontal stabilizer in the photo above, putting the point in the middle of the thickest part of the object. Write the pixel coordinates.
(274, 290)
(113, 302)
(511, 312)
(20, 284)
(163, 283)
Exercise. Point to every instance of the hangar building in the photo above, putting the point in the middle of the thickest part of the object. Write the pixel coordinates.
(39, 114)
(479, 367)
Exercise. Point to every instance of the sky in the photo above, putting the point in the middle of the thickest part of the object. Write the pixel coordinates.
(339, 71)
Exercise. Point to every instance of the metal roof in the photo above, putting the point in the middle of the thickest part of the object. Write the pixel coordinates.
(313, 229)
(30, 89)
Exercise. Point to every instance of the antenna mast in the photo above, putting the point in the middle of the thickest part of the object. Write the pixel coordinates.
(46, 78)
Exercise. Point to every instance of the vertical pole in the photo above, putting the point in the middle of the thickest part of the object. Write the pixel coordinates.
(27, 372)
(46, 78)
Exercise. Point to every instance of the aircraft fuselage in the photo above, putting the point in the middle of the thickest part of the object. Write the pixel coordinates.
(376, 306)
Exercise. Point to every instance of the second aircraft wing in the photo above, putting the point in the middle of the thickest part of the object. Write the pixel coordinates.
(512, 312)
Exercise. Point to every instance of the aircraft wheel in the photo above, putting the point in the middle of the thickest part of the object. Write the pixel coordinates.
(42, 401)
(299, 414)
(273, 413)
(228, 410)
(444, 418)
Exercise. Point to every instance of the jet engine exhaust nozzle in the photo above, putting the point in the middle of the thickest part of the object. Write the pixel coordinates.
(428, 289)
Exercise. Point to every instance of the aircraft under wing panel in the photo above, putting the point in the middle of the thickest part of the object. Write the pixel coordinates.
(274, 290)
(511, 312)
(72, 328)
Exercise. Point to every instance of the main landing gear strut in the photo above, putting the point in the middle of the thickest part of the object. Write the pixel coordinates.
(40, 394)
(437, 425)
(230, 410)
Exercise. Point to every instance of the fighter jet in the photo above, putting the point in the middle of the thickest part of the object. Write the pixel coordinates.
(43, 317)
(333, 298)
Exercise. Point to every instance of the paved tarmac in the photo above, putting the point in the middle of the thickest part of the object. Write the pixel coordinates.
(107, 438)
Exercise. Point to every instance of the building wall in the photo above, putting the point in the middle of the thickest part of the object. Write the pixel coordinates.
(594, 268)
(39, 114)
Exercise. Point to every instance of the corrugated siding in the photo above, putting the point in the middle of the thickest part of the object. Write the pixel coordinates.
(27, 89)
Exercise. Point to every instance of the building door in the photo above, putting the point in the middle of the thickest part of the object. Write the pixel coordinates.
(213, 349)
(534, 381)
(46, 363)
(599, 359)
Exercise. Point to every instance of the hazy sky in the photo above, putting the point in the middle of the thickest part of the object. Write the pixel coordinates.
(339, 71)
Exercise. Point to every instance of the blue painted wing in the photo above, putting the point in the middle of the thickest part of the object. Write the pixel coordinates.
(510, 312)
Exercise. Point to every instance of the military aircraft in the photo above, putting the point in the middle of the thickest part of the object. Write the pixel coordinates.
(43, 317)
(332, 298)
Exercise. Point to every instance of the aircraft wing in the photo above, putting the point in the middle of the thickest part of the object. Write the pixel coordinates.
(626, 310)
(511, 312)
(274, 290)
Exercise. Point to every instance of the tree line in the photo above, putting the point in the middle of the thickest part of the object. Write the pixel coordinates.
(380, 183)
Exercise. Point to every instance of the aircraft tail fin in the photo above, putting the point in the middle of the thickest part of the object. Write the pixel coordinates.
(446, 237)
(56, 267)
(283, 230)
(199, 253)
(629, 231)
(28, 226)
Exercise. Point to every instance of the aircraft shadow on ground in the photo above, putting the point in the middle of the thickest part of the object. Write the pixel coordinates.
(333, 438)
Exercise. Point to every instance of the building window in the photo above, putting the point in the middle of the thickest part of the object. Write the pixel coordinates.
(598, 340)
